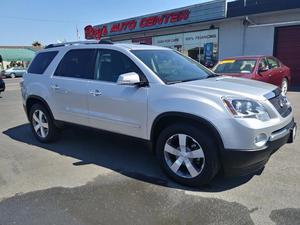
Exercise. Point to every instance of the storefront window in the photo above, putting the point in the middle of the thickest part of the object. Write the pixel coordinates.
(142, 40)
(201, 46)
(173, 41)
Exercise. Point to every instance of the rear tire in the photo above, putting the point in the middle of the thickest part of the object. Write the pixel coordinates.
(194, 164)
(42, 124)
(284, 86)
(12, 75)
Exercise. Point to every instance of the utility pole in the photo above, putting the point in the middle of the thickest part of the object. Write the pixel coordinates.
(77, 33)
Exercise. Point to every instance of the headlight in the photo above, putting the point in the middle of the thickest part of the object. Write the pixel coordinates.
(246, 108)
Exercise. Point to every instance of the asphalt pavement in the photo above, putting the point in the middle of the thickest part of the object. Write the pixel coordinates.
(89, 178)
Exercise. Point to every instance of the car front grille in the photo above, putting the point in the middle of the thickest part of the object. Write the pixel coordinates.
(281, 103)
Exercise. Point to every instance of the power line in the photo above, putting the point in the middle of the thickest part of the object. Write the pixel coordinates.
(43, 20)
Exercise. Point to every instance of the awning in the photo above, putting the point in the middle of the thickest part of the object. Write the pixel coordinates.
(16, 54)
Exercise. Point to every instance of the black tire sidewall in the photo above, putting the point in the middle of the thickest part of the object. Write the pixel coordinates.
(52, 132)
(208, 145)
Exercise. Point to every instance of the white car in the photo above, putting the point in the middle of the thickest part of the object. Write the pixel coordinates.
(14, 72)
(198, 122)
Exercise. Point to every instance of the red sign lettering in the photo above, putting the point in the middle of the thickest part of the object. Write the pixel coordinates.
(147, 22)
(123, 26)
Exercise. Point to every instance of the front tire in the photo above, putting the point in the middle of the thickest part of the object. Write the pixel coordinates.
(12, 75)
(284, 86)
(188, 154)
(42, 124)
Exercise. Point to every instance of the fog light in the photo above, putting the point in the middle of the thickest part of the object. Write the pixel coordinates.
(261, 140)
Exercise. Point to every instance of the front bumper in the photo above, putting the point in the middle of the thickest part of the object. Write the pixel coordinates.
(242, 162)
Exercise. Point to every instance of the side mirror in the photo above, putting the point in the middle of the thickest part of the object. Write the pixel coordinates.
(262, 69)
(129, 79)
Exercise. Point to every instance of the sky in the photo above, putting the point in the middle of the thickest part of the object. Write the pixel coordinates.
(23, 22)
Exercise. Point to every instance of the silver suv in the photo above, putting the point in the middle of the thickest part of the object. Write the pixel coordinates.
(198, 122)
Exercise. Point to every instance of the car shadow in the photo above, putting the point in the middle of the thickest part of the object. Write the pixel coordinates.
(128, 156)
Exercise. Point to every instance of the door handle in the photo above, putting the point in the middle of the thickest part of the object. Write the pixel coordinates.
(55, 87)
(95, 93)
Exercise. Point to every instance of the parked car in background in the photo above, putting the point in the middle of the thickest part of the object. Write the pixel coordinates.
(262, 68)
(2, 85)
(14, 72)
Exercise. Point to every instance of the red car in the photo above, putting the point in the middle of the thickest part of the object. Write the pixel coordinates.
(262, 68)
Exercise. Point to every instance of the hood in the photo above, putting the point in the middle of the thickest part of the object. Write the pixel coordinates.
(230, 86)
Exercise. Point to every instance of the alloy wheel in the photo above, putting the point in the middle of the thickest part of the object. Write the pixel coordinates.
(40, 124)
(184, 156)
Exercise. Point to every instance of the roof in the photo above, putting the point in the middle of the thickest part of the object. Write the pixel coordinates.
(84, 45)
(250, 7)
(203, 12)
(16, 54)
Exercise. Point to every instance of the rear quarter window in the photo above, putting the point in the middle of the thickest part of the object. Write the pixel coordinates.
(41, 62)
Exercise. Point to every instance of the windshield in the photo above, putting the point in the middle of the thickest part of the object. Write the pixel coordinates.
(171, 66)
(235, 66)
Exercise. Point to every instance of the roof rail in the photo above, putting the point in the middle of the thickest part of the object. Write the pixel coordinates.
(106, 42)
(71, 43)
(103, 41)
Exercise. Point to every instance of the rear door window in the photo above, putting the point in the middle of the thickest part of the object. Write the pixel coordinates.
(41, 62)
(79, 63)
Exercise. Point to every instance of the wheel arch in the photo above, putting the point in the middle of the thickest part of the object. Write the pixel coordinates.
(288, 79)
(165, 119)
(34, 99)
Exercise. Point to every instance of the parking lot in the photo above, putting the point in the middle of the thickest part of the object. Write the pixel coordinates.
(96, 178)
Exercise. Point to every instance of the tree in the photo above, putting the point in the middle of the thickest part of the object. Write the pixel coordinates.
(37, 44)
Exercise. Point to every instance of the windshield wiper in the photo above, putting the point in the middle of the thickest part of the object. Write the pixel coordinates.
(174, 82)
(183, 81)
(192, 79)
(213, 75)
